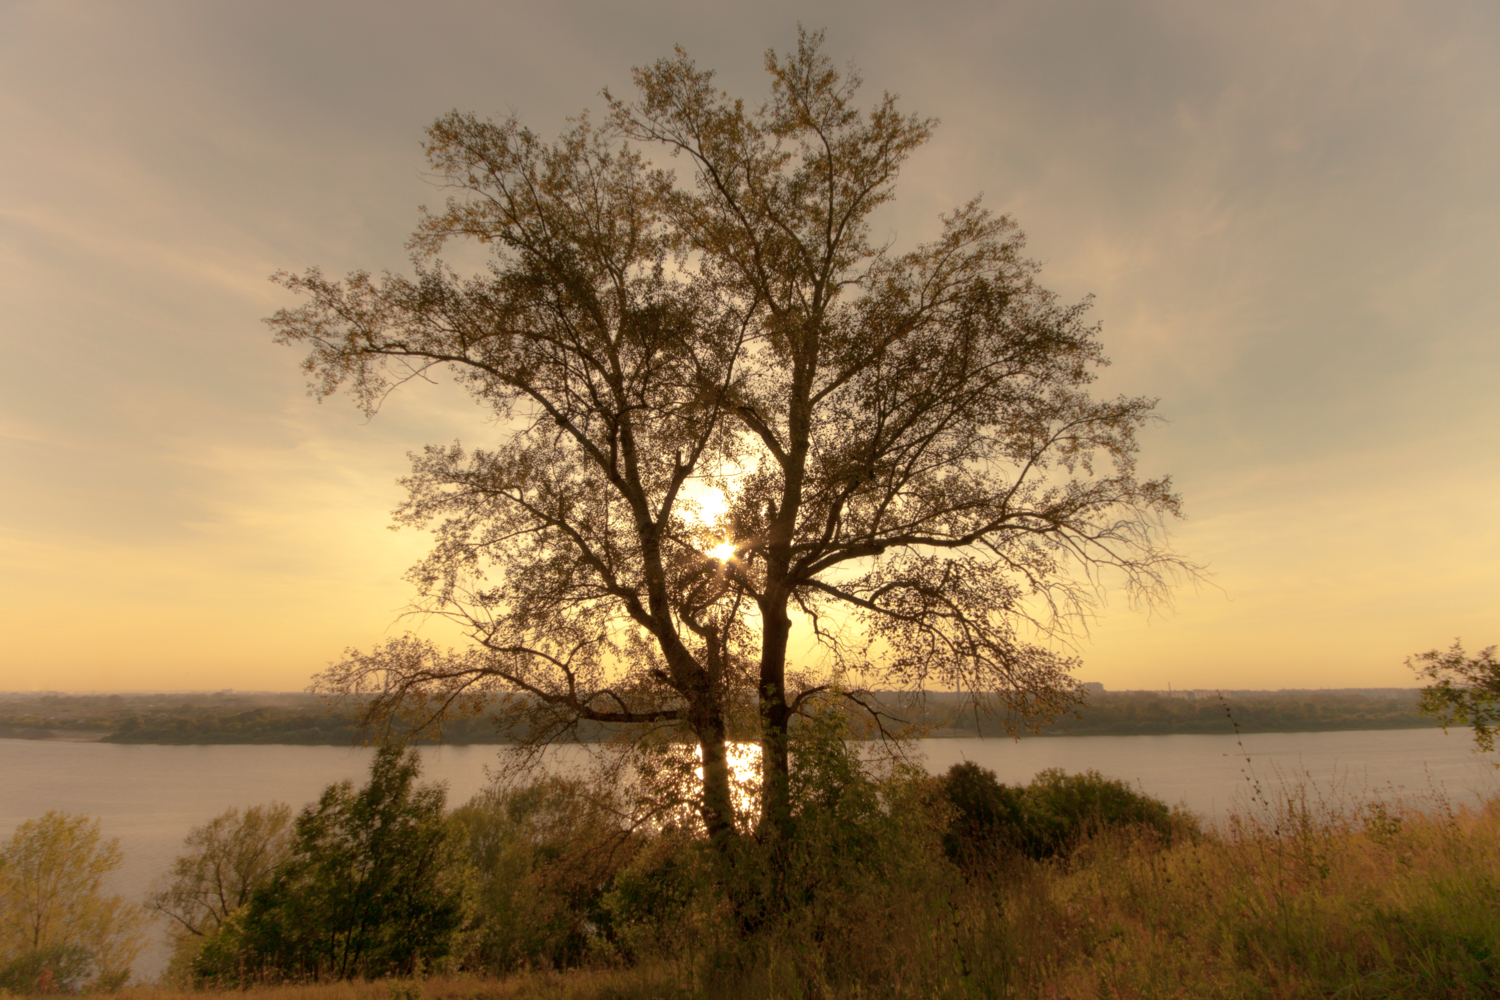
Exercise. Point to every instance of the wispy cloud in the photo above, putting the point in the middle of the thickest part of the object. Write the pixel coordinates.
(1287, 212)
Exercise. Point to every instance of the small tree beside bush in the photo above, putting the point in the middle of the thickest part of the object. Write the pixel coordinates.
(372, 886)
(228, 859)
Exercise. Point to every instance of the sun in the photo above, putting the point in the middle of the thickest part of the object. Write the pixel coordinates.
(723, 552)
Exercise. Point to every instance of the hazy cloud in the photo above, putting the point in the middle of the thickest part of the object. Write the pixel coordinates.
(1288, 213)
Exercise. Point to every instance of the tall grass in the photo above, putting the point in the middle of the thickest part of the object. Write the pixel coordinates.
(1300, 899)
(646, 982)
(1296, 895)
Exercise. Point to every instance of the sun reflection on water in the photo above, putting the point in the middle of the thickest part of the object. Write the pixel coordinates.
(744, 778)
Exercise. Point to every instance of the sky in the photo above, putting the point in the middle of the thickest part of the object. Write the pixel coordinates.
(1288, 214)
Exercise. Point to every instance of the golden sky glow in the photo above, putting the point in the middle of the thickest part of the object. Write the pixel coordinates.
(1288, 213)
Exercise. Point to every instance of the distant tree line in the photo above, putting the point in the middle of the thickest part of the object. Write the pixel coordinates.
(302, 719)
(1140, 713)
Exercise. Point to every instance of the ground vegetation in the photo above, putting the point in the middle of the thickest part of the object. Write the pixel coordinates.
(1071, 886)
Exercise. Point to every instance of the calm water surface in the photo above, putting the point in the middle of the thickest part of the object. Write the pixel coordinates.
(150, 796)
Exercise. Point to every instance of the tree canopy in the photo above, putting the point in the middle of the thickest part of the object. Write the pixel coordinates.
(726, 409)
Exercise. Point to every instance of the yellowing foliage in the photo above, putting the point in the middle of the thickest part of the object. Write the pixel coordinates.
(52, 902)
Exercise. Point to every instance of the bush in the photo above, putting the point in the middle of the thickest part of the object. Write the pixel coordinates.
(988, 817)
(55, 969)
(1062, 809)
(655, 904)
(1049, 817)
(541, 858)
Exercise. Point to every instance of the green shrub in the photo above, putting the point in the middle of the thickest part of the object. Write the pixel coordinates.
(1048, 817)
(1061, 809)
(654, 905)
(55, 969)
(541, 859)
(988, 817)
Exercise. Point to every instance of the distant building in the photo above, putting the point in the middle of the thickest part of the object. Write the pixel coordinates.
(1093, 687)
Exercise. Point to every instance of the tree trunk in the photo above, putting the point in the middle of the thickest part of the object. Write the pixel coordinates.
(775, 791)
(717, 808)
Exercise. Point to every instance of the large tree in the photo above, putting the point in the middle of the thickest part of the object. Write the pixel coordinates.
(908, 460)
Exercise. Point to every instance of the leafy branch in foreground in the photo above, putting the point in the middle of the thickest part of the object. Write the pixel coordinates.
(1465, 690)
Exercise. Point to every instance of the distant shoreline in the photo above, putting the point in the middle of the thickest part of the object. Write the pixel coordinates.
(55, 736)
(303, 720)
